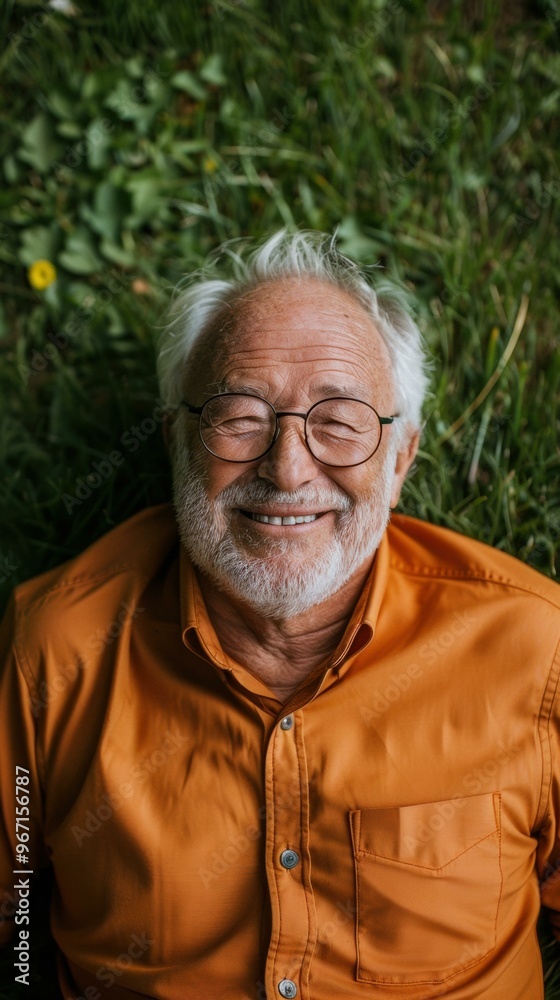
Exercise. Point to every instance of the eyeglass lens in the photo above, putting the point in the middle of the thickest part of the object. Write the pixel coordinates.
(241, 428)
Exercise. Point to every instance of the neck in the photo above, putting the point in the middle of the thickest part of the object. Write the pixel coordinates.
(282, 652)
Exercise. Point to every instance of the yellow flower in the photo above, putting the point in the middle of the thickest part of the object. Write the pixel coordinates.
(41, 274)
(209, 165)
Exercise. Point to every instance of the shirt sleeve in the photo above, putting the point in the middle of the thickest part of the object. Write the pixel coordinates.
(548, 850)
(21, 807)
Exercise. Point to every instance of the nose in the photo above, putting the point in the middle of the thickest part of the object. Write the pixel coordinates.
(289, 463)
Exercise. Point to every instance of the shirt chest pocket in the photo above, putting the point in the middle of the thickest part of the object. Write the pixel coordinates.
(428, 885)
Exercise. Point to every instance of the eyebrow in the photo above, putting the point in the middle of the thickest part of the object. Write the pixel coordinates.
(258, 389)
(353, 390)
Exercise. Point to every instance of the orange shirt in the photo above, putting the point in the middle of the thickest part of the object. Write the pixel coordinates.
(376, 836)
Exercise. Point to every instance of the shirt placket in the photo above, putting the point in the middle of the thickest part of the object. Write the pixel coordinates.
(294, 925)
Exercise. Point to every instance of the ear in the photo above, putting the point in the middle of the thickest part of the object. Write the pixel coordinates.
(404, 459)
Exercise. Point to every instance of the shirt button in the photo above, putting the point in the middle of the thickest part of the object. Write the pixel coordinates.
(287, 988)
(289, 859)
(287, 723)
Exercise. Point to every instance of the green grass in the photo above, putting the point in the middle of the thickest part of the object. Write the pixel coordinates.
(136, 137)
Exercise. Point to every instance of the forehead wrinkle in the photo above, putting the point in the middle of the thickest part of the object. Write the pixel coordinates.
(331, 375)
(278, 302)
(297, 335)
(330, 370)
(330, 356)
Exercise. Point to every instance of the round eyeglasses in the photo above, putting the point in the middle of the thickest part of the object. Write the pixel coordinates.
(338, 431)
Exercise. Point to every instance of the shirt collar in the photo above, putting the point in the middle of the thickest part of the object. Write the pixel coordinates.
(361, 627)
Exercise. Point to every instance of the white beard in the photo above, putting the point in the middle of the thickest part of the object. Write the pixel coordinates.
(291, 577)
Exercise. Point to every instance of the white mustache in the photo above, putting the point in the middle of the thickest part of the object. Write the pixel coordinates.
(257, 493)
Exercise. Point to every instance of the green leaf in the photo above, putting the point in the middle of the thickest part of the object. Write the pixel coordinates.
(135, 66)
(92, 85)
(62, 105)
(212, 71)
(110, 205)
(69, 130)
(384, 67)
(54, 298)
(183, 80)
(473, 181)
(117, 254)
(79, 291)
(11, 169)
(126, 101)
(146, 199)
(115, 322)
(39, 243)
(39, 144)
(98, 136)
(79, 255)
(475, 73)
(352, 241)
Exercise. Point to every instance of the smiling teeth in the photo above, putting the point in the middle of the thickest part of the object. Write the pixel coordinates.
(284, 520)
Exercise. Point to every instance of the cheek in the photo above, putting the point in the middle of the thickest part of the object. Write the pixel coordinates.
(219, 475)
(190, 459)
(358, 482)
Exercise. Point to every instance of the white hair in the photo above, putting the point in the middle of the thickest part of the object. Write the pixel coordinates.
(202, 297)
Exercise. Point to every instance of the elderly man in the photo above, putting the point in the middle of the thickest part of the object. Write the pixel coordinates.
(273, 746)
